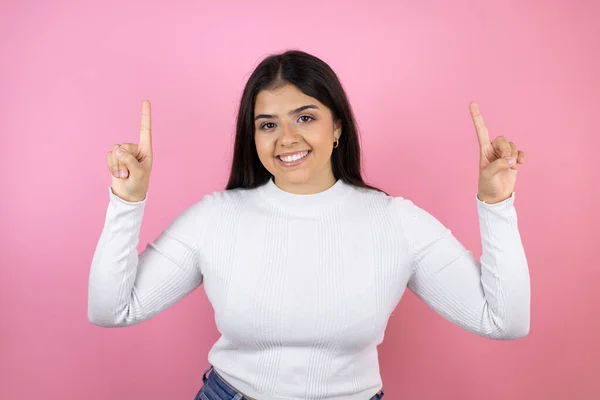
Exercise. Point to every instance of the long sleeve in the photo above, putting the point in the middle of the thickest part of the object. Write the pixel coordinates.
(489, 297)
(125, 287)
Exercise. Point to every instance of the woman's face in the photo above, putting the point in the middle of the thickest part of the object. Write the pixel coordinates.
(294, 139)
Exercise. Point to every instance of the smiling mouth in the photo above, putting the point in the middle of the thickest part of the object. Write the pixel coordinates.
(293, 159)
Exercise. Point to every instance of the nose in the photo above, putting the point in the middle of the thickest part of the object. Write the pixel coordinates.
(288, 135)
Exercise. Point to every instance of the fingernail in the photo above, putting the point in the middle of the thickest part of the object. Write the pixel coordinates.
(511, 161)
(119, 152)
(123, 173)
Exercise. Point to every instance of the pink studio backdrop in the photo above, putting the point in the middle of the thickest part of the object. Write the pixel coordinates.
(72, 78)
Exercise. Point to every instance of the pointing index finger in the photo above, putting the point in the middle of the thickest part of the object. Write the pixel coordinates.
(482, 132)
(146, 127)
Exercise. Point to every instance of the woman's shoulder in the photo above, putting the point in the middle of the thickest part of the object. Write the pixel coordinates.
(397, 207)
(223, 198)
(209, 209)
(374, 198)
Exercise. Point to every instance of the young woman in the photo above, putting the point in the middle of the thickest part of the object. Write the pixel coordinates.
(301, 260)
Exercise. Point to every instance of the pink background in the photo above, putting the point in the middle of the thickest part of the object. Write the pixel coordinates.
(72, 78)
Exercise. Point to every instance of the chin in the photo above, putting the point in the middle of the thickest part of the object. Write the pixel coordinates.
(292, 177)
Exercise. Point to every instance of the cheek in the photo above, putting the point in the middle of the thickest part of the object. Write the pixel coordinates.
(264, 147)
(321, 142)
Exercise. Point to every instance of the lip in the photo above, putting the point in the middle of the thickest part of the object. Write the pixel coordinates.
(292, 163)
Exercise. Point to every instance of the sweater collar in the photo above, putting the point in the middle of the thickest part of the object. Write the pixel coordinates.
(305, 204)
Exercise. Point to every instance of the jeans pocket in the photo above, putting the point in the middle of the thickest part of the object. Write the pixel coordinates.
(201, 395)
(208, 393)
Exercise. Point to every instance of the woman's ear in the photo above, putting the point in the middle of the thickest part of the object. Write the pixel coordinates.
(337, 129)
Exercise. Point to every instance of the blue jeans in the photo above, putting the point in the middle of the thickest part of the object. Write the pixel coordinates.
(215, 388)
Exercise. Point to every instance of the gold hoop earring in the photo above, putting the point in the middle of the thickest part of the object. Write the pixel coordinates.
(336, 143)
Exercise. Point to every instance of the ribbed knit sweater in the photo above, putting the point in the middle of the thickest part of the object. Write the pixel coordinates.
(303, 286)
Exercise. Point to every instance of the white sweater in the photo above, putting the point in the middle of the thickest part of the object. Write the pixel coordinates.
(303, 285)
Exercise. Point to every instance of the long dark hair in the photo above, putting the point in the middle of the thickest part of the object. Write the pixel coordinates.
(314, 78)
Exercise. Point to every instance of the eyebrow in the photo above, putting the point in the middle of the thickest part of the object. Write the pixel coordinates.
(296, 111)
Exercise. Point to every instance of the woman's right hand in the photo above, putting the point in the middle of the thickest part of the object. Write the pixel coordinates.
(130, 164)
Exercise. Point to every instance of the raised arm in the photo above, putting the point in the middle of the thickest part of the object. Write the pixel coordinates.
(490, 296)
(126, 287)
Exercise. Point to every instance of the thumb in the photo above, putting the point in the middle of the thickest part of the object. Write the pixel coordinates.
(501, 164)
(129, 160)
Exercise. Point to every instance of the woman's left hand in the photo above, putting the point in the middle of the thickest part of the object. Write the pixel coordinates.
(498, 162)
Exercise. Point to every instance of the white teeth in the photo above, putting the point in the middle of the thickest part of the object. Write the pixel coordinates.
(294, 157)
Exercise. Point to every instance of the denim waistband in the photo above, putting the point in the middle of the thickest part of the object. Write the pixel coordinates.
(215, 383)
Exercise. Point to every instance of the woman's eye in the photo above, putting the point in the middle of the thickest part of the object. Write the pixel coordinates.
(306, 118)
(267, 125)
